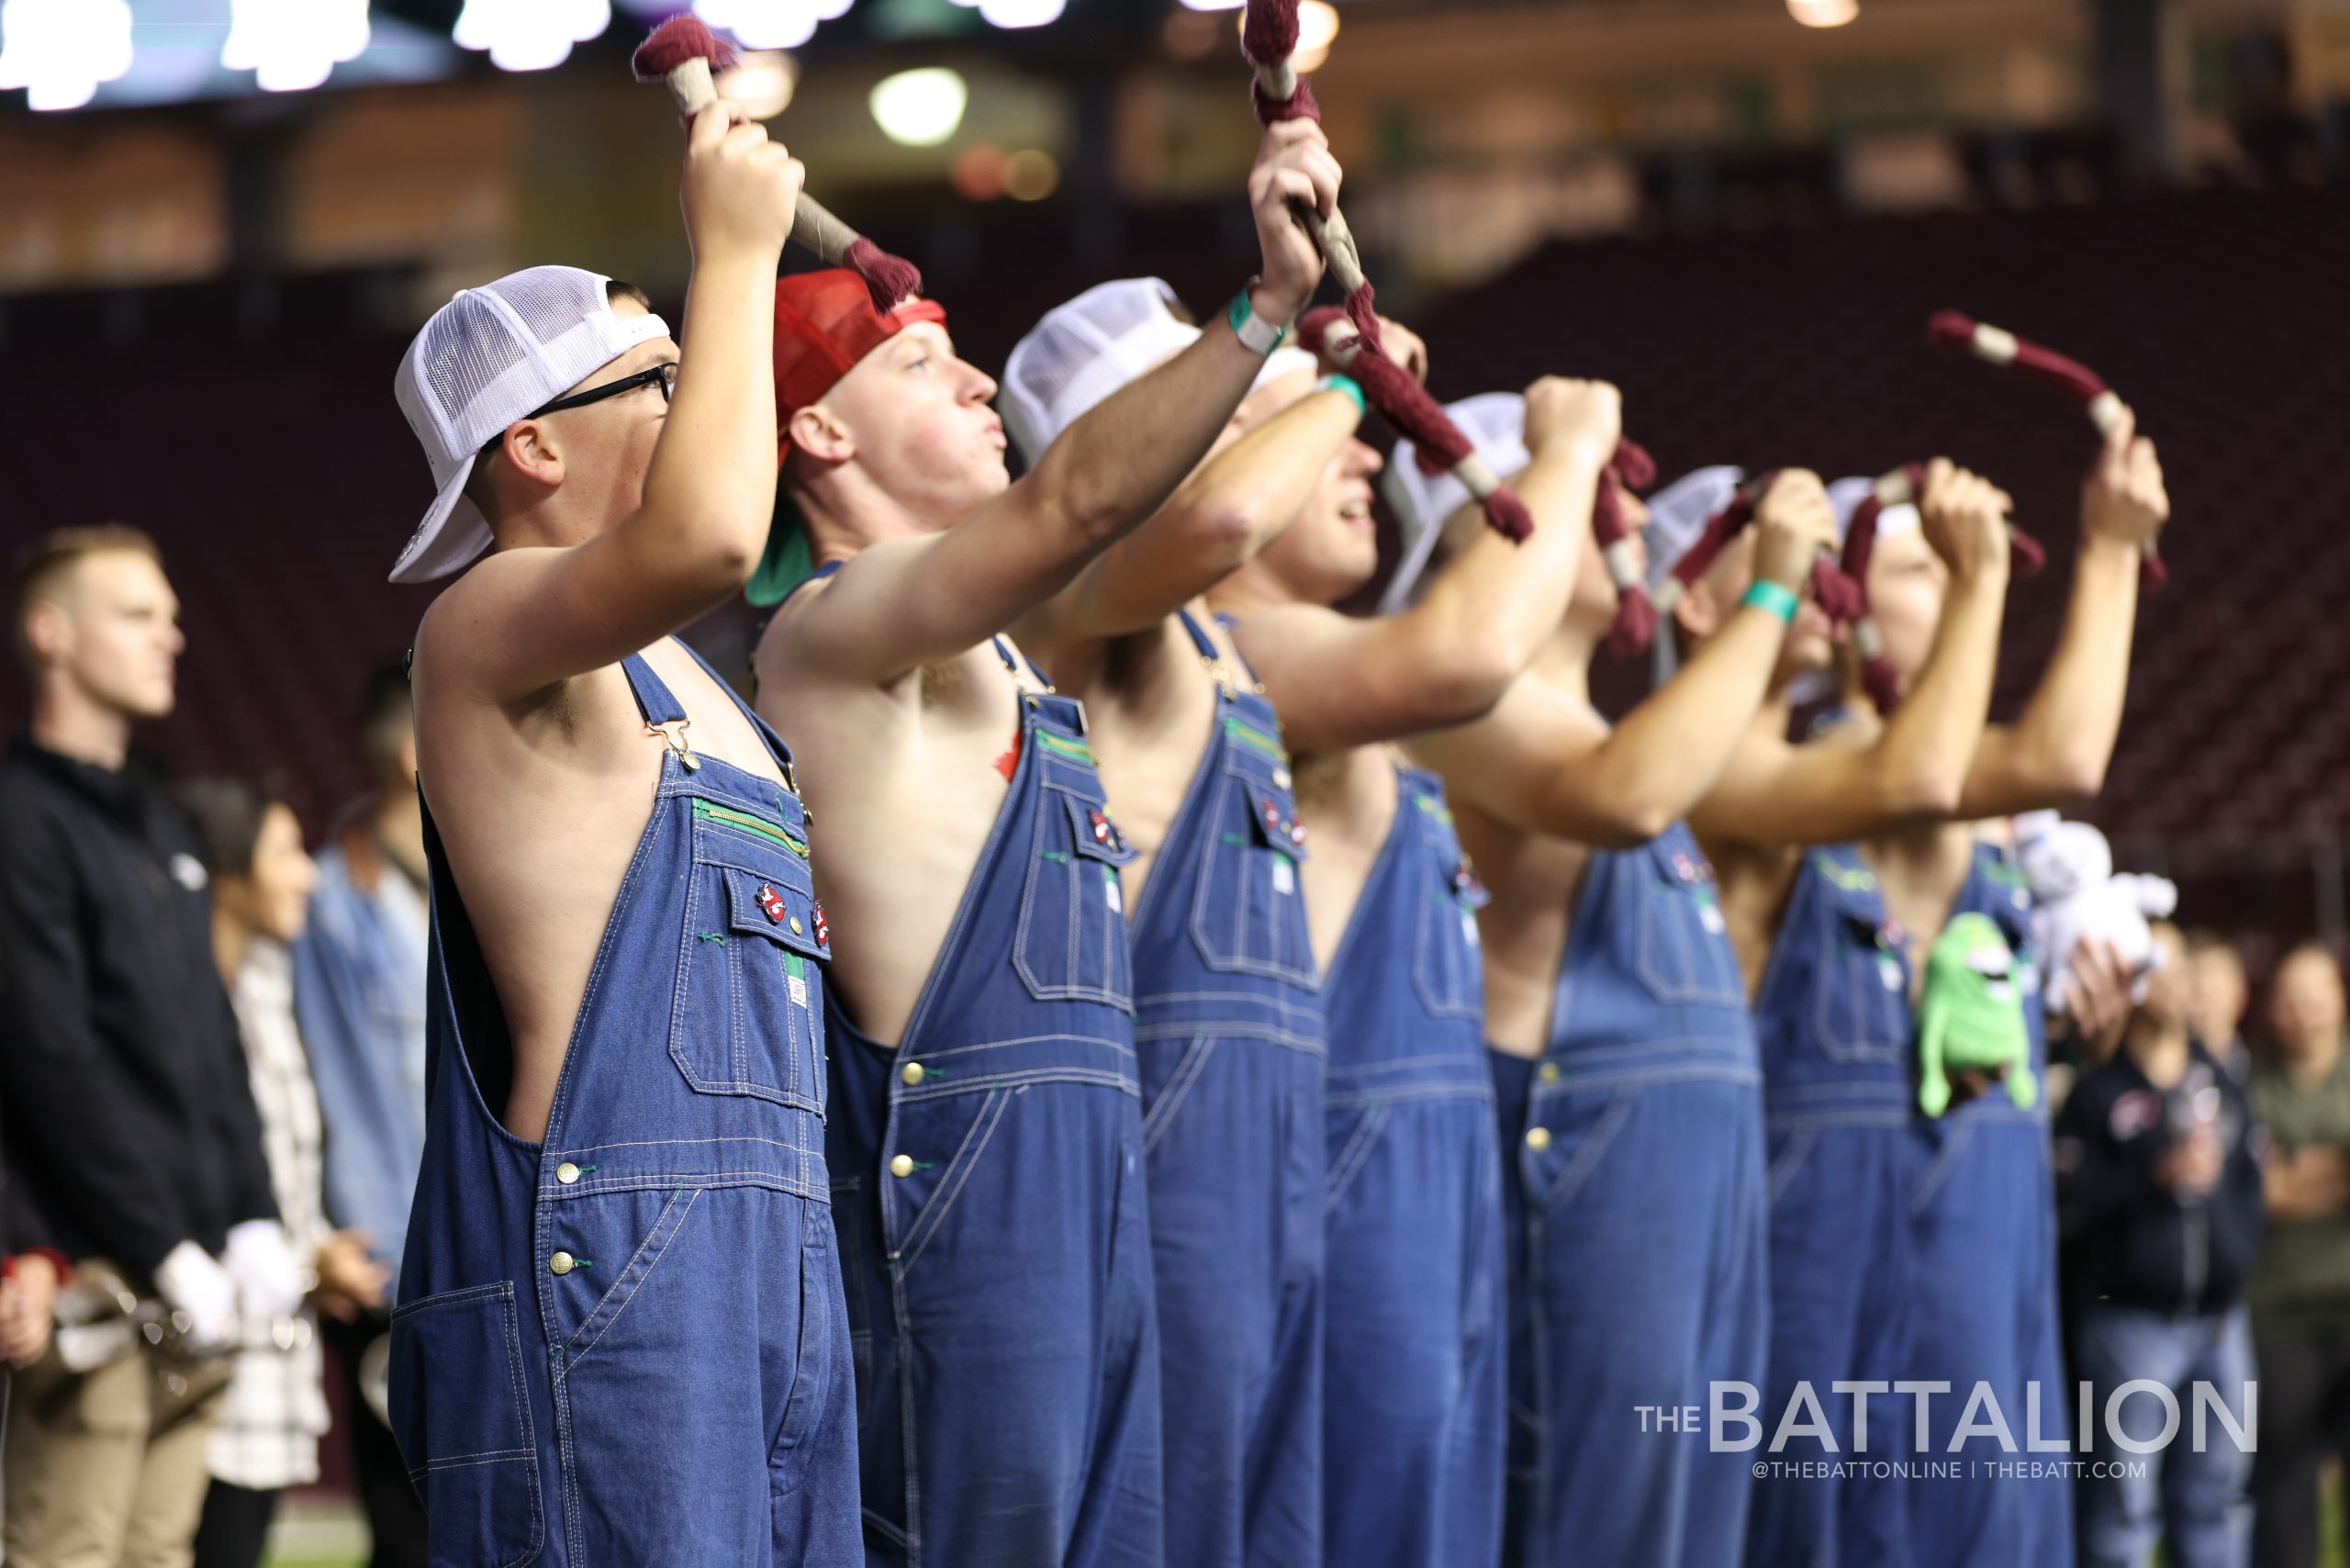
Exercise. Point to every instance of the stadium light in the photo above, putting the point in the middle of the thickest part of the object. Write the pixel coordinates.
(1215, 4)
(1823, 13)
(762, 81)
(918, 109)
(1022, 13)
(291, 45)
(59, 51)
(530, 35)
(770, 23)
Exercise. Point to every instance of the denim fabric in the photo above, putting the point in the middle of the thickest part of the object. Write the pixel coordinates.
(1229, 1032)
(1413, 1421)
(681, 1391)
(987, 1178)
(1832, 1020)
(1984, 1310)
(2197, 1504)
(359, 995)
(1638, 1273)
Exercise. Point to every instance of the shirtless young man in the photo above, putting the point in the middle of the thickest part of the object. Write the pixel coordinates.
(1829, 943)
(1626, 1066)
(1414, 1421)
(620, 1336)
(985, 1131)
(1228, 1017)
(1983, 1308)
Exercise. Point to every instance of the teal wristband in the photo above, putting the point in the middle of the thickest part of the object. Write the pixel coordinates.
(1779, 602)
(1346, 384)
(1254, 331)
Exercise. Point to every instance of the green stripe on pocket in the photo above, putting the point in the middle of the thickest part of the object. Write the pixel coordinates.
(1248, 735)
(749, 823)
(1075, 751)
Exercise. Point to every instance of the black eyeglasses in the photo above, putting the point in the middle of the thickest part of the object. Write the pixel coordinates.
(663, 375)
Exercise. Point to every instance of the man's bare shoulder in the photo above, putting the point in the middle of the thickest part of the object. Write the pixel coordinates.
(462, 632)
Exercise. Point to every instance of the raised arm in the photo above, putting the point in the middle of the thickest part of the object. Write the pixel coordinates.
(1343, 680)
(2055, 754)
(1547, 765)
(1776, 793)
(532, 617)
(1238, 502)
(906, 602)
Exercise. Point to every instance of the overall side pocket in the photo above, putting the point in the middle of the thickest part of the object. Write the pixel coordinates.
(462, 1415)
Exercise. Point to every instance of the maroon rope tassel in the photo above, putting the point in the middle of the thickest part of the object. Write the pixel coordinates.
(891, 280)
(679, 41)
(1269, 31)
(1270, 111)
(1884, 686)
(1630, 468)
(1410, 411)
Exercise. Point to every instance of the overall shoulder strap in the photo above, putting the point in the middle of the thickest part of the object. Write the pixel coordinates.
(781, 751)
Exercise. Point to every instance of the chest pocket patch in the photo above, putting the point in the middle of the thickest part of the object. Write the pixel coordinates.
(1683, 949)
(1072, 943)
(1248, 914)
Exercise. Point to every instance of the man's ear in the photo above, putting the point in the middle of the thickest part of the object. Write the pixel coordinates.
(533, 451)
(1698, 614)
(49, 629)
(818, 432)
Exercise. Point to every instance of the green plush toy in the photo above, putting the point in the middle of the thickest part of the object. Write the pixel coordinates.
(1973, 1016)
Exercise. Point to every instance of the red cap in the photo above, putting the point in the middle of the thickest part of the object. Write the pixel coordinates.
(824, 322)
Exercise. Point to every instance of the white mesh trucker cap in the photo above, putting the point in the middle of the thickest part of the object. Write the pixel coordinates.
(485, 360)
(1083, 350)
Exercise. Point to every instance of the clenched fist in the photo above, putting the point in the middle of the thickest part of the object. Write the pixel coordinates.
(1965, 520)
(1585, 416)
(741, 188)
(1794, 522)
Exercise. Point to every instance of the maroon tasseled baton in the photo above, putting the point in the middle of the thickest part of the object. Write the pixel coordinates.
(684, 53)
(1993, 345)
(1268, 37)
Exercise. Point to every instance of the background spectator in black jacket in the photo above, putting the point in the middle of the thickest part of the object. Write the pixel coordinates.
(2301, 1292)
(2159, 1190)
(129, 1123)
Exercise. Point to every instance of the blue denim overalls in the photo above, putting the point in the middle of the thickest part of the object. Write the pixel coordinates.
(988, 1180)
(1833, 1019)
(1414, 1420)
(1638, 1267)
(1985, 1304)
(1228, 1027)
(626, 1344)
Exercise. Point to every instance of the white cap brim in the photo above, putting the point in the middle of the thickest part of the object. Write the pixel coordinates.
(452, 533)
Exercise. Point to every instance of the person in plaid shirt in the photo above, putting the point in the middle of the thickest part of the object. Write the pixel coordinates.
(267, 1437)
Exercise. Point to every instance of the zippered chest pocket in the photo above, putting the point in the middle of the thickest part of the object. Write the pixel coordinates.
(748, 1016)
